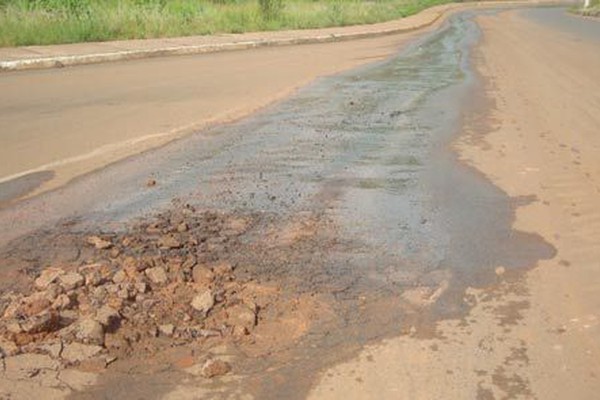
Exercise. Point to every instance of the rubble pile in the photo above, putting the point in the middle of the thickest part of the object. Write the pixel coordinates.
(166, 282)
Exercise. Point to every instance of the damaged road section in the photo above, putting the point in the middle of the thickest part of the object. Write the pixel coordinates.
(335, 219)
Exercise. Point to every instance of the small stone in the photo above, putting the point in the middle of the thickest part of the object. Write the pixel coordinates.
(168, 242)
(62, 302)
(204, 302)
(48, 276)
(69, 315)
(214, 367)
(99, 243)
(32, 305)
(114, 252)
(112, 289)
(14, 327)
(500, 271)
(151, 182)
(53, 291)
(202, 275)
(167, 329)
(240, 331)
(45, 322)
(77, 352)
(182, 227)
(7, 348)
(94, 278)
(116, 303)
(89, 331)
(52, 349)
(141, 287)
(71, 281)
(108, 317)
(223, 268)
(242, 316)
(157, 275)
(119, 277)
(124, 293)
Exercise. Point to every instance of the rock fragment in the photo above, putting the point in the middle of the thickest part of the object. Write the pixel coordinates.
(242, 317)
(204, 302)
(167, 329)
(214, 367)
(108, 317)
(54, 350)
(62, 302)
(99, 243)
(77, 352)
(169, 242)
(7, 348)
(89, 331)
(202, 275)
(48, 276)
(119, 277)
(157, 275)
(44, 322)
(71, 281)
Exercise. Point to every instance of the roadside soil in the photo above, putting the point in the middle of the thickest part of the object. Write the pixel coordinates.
(533, 133)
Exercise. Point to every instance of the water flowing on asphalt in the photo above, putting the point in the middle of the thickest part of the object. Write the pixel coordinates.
(367, 151)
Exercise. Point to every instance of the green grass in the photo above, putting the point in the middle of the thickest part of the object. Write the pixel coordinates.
(592, 11)
(40, 22)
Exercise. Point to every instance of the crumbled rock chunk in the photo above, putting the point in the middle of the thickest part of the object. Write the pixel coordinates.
(157, 275)
(242, 316)
(77, 352)
(165, 282)
(108, 317)
(44, 322)
(89, 331)
(48, 276)
(7, 348)
(202, 275)
(167, 329)
(119, 277)
(99, 243)
(169, 242)
(71, 281)
(214, 367)
(203, 302)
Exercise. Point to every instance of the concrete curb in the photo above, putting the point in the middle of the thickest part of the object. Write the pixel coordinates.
(59, 61)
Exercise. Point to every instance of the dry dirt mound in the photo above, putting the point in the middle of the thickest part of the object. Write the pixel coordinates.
(164, 282)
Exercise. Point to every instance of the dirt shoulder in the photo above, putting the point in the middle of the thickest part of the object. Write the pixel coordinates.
(531, 336)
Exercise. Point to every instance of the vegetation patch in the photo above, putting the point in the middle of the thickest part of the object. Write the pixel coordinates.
(592, 11)
(41, 22)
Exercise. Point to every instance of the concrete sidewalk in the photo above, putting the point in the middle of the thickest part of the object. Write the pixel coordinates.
(36, 57)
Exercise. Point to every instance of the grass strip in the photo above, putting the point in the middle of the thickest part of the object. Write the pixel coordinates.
(43, 22)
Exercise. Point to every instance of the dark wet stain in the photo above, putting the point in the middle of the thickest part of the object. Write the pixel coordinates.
(484, 393)
(366, 154)
(19, 187)
(512, 384)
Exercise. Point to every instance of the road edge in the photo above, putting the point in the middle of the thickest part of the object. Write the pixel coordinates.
(65, 60)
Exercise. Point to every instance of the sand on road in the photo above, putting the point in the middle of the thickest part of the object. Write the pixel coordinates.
(531, 336)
